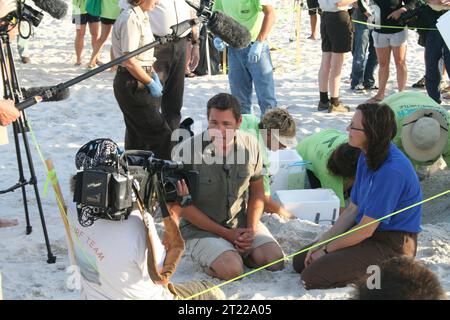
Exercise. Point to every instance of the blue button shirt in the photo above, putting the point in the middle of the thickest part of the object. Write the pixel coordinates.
(392, 187)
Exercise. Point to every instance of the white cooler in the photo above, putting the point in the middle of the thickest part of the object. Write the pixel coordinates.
(287, 170)
(320, 206)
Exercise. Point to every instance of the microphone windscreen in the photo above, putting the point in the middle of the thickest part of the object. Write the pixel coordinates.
(229, 30)
(56, 8)
(46, 93)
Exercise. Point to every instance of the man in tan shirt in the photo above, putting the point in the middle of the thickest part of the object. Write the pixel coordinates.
(222, 228)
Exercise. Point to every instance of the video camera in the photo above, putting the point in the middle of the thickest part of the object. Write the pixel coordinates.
(109, 186)
(24, 12)
(411, 17)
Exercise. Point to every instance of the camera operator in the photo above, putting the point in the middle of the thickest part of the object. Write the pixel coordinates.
(435, 48)
(136, 84)
(222, 229)
(115, 257)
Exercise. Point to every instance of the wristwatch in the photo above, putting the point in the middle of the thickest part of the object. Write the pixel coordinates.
(195, 42)
(325, 249)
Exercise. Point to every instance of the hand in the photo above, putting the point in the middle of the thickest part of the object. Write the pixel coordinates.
(397, 13)
(244, 242)
(367, 14)
(195, 57)
(255, 52)
(8, 112)
(6, 6)
(219, 44)
(313, 255)
(155, 87)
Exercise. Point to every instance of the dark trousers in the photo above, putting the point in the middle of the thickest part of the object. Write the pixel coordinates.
(435, 48)
(170, 65)
(146, 127)
(342, 267)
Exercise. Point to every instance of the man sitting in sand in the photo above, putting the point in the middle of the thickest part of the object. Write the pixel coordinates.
(222, 229)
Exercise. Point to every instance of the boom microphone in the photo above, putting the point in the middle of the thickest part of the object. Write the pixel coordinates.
(229, 30)
(48, 94)
(224, 26)
(56, 8)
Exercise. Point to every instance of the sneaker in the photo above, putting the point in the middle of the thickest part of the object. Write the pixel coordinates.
(374, 87)
(420, 83)
(25, 60)
(323, 106)
(358, 88)
(338, 108)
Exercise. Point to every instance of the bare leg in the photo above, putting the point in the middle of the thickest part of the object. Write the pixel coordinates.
(94, 30)
(384, 57)
(265, 254)
(324, 71)
(79, 41)
(227, 266)
(337, 61)
(313, 22)
(400, 64)
(98, 45)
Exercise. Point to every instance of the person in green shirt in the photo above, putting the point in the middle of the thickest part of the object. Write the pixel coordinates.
(81, 18)
(333, 161)
(268, 138)
(250, 66)
(110, 10)
(422, 127)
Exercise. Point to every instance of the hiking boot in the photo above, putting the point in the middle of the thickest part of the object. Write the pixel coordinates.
(25, 60)
(420, 83)
(323, 106)
(338, 108)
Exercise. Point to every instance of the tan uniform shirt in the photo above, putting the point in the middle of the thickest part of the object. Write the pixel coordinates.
(132, 31)
(224, 183)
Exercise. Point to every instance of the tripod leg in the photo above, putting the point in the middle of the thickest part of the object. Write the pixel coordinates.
(33, 181)
(22, 181)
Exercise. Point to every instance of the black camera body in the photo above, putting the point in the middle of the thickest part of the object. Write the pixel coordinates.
(25, 12)
(112, 192)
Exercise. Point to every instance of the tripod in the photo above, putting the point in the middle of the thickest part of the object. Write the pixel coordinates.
(11, 90)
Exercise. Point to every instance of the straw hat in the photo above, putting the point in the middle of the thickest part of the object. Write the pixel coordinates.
(282, 126)
(424, 135)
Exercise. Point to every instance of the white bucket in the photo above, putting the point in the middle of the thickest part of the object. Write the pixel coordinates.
(287, 170)
(320, 206)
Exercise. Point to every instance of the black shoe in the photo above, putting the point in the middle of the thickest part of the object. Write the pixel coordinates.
(374, 87)
(420, 83)
(323, 106)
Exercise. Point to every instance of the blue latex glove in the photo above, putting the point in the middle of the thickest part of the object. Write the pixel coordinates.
(219, 44)
(255, 52)
(155, 87)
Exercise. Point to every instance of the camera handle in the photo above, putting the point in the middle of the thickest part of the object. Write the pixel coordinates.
(177, 31)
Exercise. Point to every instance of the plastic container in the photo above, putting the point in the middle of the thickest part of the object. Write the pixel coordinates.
(287, 170)
(320, 206)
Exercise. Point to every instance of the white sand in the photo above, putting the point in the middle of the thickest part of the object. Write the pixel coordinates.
(92, 112)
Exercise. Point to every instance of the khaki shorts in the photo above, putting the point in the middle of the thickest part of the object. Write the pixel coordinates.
(386, 40)
(205, 250)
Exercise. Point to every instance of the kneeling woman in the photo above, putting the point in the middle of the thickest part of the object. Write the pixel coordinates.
(385, 183)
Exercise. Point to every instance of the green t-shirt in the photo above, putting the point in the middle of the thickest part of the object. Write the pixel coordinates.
(317, 149)
(110, 9)
(406, 103)
(250, 125)
(247, 12)
(79, 7)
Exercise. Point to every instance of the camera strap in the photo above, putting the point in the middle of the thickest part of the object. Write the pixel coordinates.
(172, 241)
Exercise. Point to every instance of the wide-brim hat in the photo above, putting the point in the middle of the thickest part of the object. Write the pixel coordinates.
(424, 135)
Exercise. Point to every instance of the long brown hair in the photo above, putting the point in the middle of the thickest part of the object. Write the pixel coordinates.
(380, 128)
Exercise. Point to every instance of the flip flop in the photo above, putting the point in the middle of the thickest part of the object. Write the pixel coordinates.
(77, 64)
